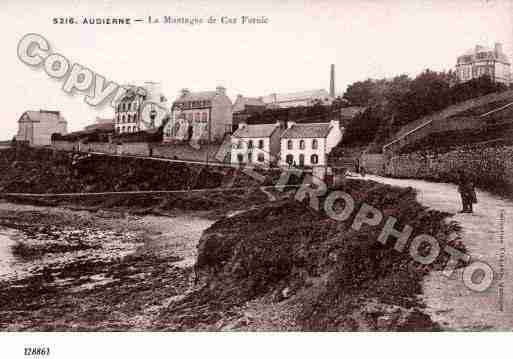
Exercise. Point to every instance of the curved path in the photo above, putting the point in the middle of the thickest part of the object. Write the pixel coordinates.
(488, 236)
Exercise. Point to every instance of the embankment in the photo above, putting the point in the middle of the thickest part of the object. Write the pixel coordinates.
(284, 266)
(105, 178)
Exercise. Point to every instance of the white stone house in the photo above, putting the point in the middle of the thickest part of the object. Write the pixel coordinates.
(308, 144)
(256, 144)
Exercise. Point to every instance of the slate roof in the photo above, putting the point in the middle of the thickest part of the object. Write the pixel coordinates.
(307, 130)
(501, 56)
(241, 102)
(256, 131)
(197, 96)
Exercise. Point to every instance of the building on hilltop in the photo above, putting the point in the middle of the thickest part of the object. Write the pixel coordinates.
(141, 109)
(37, 127)
(199, 117)
(257, 144)
(308, 144)
(483, 61)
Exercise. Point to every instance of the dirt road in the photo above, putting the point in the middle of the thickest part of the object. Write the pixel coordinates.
(488, 236)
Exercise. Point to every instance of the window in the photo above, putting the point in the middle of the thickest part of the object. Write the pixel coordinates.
(240, 158)
(123, 119)
(302, 144)
(289, 144)
(250, 157)
(129, 118)
(130, 106)
(250, 144)
(301, 160)
(315, 145)
(261, 144)
(122, 128)
(239, 144)
(197, 116)
(289, 159)
(261, 157)
(204, 117)
(134, 129)
(124, 106)
(314, 159)
(135, 117)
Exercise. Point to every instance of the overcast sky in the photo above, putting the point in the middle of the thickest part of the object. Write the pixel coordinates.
(292, 53)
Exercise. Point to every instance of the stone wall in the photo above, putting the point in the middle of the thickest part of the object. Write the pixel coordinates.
(491, 166)
(103, 147)
(182, 151)
(135, 148)
(65, 145)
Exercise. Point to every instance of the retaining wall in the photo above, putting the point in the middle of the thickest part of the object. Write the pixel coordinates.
(187, 152)
(490, 166)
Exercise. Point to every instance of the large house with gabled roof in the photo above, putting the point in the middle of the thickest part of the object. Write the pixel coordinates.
(199, 117)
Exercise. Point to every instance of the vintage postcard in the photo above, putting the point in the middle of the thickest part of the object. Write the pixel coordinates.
(257, 166)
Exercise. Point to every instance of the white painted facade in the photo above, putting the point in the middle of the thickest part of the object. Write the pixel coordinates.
(256, 144)
(251, 151)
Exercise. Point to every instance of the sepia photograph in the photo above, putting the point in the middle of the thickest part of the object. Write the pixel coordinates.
(198, 167)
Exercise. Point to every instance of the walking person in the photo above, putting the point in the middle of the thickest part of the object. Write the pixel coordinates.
(362, 171)
(467, 192)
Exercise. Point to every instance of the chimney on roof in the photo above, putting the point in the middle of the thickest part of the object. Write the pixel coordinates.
(242, 124)
(221, 90)
(184, 91)
(332, 81)
(498, 48)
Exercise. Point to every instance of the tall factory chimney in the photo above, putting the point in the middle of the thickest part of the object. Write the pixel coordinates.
(332, 81)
